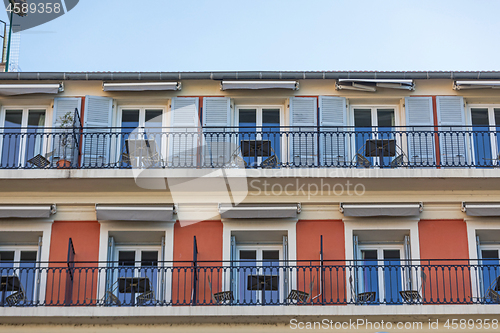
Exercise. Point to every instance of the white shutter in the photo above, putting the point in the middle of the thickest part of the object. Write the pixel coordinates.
(408, 269)
(333, 119)
(217, 137)
(184, 136)
(421, 146)
(64, 143)
(97, 131)
(303, 138)
(451, 118)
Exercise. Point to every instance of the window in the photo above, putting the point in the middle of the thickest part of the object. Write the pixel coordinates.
(18, 269)
(134, 259)
(140, 128)
(488, 254)
(374, 124)
(259, 129)
(24, 140)
(485, 142)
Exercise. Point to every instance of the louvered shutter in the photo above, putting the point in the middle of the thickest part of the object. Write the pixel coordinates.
(407, 271)
(451, 119)
(184, 138)
(333, 119)
(97, 131)
(303, 136)
(356, 283)
(64, 143)
(480, 266)
(421, 144)
(110, 278)
(286, 281)
(217, 136)
(234, 270)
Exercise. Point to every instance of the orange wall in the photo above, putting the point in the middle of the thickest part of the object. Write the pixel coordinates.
(85, 237)
(445, 280)
(209, 240)
(331, 285)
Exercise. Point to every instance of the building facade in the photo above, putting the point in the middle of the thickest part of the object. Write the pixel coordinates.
(363, 201)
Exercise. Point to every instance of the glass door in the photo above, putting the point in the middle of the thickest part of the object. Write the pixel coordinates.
(490, 270)
(23, 138)
(375, 144)
(259, 276)
(259, 136)
(18, 267)
(381, 274)
(141, 139)
(485, 140)
(137, 278)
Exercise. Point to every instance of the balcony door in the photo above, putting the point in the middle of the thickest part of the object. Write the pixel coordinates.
(136, 273)
(485, 140)
(381, 272)
(20, 263)
(22, 139)
(143, 124)
(259, 133)
(373, 123)
(490, 269)
(259, 277)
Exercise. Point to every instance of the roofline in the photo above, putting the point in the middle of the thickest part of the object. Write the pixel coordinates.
(248, 75)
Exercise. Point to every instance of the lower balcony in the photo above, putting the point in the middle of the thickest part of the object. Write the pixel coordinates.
(249, 283)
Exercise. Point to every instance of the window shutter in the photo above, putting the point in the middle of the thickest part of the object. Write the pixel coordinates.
(408, 269)
(111, 259)
(234, 271)
(285, 262)
(303, 119)
(480, 267)
(217, 138)
(162, 272)
(36, 298)
(185, 136)
(356, 285)
(64, 146)
(451, 118)
(421, 146)
(97, 129)
(333, 119)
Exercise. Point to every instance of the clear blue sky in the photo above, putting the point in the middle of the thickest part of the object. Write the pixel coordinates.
(199, 35)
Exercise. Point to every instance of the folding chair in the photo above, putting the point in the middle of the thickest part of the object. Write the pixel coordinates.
(223, 297)
(301, 296)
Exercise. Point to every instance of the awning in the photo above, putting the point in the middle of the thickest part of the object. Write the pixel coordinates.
(459, 85)
(152, 213)
(227, 85)
(381, 209)
(481, 209)
(259, 211)
(27, 211)
(372, 84)
(142, 86)
(23, 89)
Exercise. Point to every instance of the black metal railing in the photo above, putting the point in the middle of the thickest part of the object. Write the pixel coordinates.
(250, 283)
(283, 147)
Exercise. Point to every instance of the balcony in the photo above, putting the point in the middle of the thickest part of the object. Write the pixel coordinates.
(257, 148)
(238, 283)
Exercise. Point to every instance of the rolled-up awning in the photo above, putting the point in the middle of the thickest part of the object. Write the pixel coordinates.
(227, 85)
(153, 213)
(141, 86)
(481, 208)
(259, 211)
(27, 211)
(381, 209)
(36, 88)
(477, 84)
(372, 84)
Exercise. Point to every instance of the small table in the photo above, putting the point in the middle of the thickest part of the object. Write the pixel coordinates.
(132, 285)
(256, 148)
(263, 282)
(380, 148)
(9, 283)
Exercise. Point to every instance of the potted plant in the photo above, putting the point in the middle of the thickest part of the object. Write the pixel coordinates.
(66, 141)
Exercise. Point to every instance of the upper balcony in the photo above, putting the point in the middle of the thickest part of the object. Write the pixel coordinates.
(249, 147)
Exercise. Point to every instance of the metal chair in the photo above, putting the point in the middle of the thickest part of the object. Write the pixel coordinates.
(493, 291)
(15, 298)
(41, 161)
(148, 296)
(223, 297)
(414, 296)
(301, 296)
